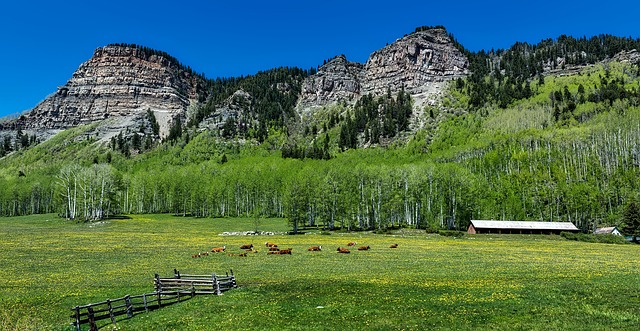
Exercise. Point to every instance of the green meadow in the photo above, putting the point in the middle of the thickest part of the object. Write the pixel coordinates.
(49, 265)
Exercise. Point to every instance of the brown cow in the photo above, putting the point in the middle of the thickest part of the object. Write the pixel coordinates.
(268, 244)
(364, 248)
(195, 255)
(246, 246)
(204, 254)
(243, 254)
(315, 248)
(285, 251)
(219, 249)
(393, 246)
(343, 250)
(353, 243)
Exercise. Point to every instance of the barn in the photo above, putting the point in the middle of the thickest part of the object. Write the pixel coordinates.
(520, 227)
(608, 230)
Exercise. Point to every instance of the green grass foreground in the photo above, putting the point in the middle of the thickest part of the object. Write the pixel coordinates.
(482, 282)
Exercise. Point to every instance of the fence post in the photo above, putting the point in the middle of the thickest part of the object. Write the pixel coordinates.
(158, 290)
(144, 300)
(233, 279)
(157, 283)
(127, 301)
(77, 323)
(216, 284)
(113, 319)
(92, 320)
(176, 274)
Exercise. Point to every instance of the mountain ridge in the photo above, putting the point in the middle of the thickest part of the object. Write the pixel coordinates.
(121, 82)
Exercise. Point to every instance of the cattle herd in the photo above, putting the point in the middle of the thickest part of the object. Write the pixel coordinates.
(273, 248)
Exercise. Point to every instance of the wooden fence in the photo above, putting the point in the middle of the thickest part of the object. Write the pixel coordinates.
(167, 292)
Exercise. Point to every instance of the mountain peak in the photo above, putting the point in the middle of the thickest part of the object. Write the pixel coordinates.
(119, 82)
(419, 63)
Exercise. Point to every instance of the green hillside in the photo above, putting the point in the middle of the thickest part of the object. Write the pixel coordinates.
(565, 146)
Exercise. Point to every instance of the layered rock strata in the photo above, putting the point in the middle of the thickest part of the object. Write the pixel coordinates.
(117, 82)
(419, 63)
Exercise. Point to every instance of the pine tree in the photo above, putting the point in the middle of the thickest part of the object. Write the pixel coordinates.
(631, 218)
(136, 142)
(176, 130)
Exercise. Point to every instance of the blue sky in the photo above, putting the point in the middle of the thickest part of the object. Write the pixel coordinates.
(43, 42)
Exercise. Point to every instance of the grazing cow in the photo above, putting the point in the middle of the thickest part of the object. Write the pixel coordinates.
(195, 255)
(343, 250)
(364, 248)
(246, 246)
(268, 244)
(315, 248)
(393, 246)
(204, 254)
(353, 243)
(219, 249)
(273, 249)
(285, 251)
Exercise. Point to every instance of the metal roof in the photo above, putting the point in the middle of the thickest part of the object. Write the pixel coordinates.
(523, 225)
(607, 230)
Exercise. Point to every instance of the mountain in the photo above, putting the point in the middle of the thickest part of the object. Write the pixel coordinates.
(424, 134)
(119, 83)
(419, 63)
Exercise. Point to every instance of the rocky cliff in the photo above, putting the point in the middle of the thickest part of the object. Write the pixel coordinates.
(337, 80)
(419, 62)
(119, 83)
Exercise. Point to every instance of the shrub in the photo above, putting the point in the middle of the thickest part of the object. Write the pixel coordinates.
(594, 238)
(432, 230)
(451, 233)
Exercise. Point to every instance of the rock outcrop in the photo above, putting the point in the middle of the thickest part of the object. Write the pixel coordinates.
(236, 109)
(120, 83)
(337, 80)
(413, 62)
(419, 62)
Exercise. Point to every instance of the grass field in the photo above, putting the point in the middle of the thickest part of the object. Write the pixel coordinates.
(49, 265)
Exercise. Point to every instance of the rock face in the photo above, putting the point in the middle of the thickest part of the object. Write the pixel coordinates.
(413, 62)
(337, 80)
(420, 63)
(236, 109)
(118, 82)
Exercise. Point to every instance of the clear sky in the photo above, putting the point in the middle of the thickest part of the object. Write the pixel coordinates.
(44, 42)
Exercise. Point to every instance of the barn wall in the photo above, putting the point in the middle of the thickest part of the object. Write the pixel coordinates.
(471, 229)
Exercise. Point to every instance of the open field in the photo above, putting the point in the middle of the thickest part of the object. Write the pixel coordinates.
(429, 282)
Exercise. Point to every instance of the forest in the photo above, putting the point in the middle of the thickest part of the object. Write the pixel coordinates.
(507, 144)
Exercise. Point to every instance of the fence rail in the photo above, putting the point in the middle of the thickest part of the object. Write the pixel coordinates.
(198, 284)
(167, 292)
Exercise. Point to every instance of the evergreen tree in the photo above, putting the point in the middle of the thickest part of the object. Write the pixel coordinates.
(155, 127)
(176, 130)
(631, 218)
(135, 142)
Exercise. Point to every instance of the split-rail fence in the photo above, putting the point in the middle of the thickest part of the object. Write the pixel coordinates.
(167, 292)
